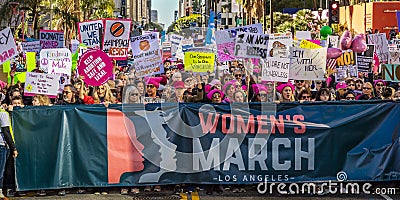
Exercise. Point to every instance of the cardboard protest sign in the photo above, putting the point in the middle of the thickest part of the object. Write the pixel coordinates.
(175, 41)
(250, 45)
(365, 59)
(381, 46)
(31, 47)
(225, 46)
(252, 28)
(50, 39)
(279, 44)
(305, 44)
(89, 32)
(199, 61)
(116, 38)
(333, 41)
(394, 44)
(391, 72)
(95, 66)
(146, 54)
(56, 61)
(8, 48)
(307, 64)
(39, 83)
(346, 66)
(166, 50)
(275, 69)
(394, 56)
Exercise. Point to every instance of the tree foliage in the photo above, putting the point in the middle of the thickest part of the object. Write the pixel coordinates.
(184, 22)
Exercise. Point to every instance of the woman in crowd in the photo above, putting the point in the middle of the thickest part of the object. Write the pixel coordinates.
(272, 95)
(350, 96)
(229, 88)
(259, 93)
(323, 94)
(103, 95)
(239, 96)
(341, 89)
(379, 86)
(131, 95)
(359, 84)
(226, 78)
(41, 100)
(215, 96)
(287, 92)
(140, 86)
(368, 92)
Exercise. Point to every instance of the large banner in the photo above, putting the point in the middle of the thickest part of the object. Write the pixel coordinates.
(8, 48)
(50, 39)
(116, 38)
(89, 32)
(147, 55)
(92, 146)
(307, 64)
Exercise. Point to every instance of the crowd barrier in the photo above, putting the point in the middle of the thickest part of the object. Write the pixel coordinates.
(158, 144)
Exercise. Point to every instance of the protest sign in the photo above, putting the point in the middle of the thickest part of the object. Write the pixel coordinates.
(391, 72)
(89, 32)
(175, 41)
(364, 59)
(303, 35)
(279, 44)
(56, 61)
(252, 28)
(333, 41)
(146, 54)
(8, 48)
(31, 47)
(346, 66)
(307, 64)
(30, 61)
(199, 61)
(305, 44)
(249, 45)
(225, 46)
(50, 39)
(166, 50)
(116, 38)
(39, 83)
(394, 56)
(381, 46)
(394, 44)
(95, 66)
(275, 69)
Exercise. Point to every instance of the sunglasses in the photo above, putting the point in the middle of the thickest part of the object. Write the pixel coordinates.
(297, 81)
(227, 79)
(217, 96)
(380, 85)
(350, 98)
(134, 94)
(66, 92)
(150, 86)
(318, 83)
(305, 97)
(238, 75)
(366, 88)
(263, 95)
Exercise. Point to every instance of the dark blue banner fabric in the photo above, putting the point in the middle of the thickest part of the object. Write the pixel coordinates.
(91, 146)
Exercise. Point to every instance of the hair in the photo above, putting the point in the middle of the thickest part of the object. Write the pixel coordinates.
(372, 87)
(127, 91)
(291, 98)
(108, 96)
(17, 98)
(305, 91)
(44, 100)
(323, 91)
(388, 93)
(73, 89)
(243, 93)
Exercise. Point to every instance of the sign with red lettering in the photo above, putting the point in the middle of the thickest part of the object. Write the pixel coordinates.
(96, 66)
(116, 38)
(8, 49)
(56, 61)
(50, 39)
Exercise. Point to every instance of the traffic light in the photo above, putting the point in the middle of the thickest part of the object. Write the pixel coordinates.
(333, 12)
(187, 12)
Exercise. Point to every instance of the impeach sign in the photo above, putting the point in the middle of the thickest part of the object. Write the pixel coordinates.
(116, 38)
(95, 66)
(199, 61)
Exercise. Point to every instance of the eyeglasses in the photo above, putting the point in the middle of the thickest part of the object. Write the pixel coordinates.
(216, 96)
(344, 89)
(66, 92)
(350, 98)
(263, 95)
(269, 84)
(227, 79)
(238, 75)
(367, 88)
(380, 85)
(318, 83)
(134, 94)
(298, 81)
(305, 97)
(150, 86)
(188, 80)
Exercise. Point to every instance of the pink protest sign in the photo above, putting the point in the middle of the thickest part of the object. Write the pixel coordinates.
(95, 66)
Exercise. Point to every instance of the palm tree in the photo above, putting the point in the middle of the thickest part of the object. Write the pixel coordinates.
(66, 18)
(95, 9)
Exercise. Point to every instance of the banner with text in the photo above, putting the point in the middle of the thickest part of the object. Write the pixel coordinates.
(346, 66)
(381, 46)
(199, 61)
(365, 59)
(56, 61)
(249, 45)
(39, 83)
(391, 72)
(275, 69)
(279, 44)
(50, 39)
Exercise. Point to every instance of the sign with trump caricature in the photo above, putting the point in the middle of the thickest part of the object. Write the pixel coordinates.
(147, 55)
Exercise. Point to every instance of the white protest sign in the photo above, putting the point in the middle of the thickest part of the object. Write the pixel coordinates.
(346, 66)
(394, 44)
(116, 38)
(249, 45)
(275, 69)
(147, 56)
(381, 46)
(307, 64)
(303, 35)
(50, 39)
(74, 45)
(39, 83)
(8, 48)
(89, 32)
(225, 46)
(279, 44)
(252, 28)
(31, 47)
(394, 56)
(176, 41)
(56, 61)
(333, 41)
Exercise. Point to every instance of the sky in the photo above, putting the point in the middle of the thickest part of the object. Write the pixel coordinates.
(165, 10)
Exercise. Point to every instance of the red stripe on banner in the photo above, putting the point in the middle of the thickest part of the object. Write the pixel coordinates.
(124, 154)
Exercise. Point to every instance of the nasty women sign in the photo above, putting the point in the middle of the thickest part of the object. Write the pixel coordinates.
(8, 49)
(39, 83)
(307, 64)
(89, 32)
(95, 66)
(56, 61)
(275, 69)
(249, 45)
(50, 39)
(381, 46)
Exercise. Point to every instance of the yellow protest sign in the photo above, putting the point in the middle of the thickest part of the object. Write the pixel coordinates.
(30, 61)
(304, 44)
(199, 61)
(6, 66)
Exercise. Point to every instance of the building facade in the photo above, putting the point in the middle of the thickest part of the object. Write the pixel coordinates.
(138, 11)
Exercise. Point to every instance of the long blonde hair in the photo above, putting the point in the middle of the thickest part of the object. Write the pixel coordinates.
(108, 96)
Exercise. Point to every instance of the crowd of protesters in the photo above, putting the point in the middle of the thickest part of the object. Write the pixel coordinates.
(230, 83)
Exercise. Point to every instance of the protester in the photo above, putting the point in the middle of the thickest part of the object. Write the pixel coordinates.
(41, 100)
(287, 91)
(103, 95)
(323, 95)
